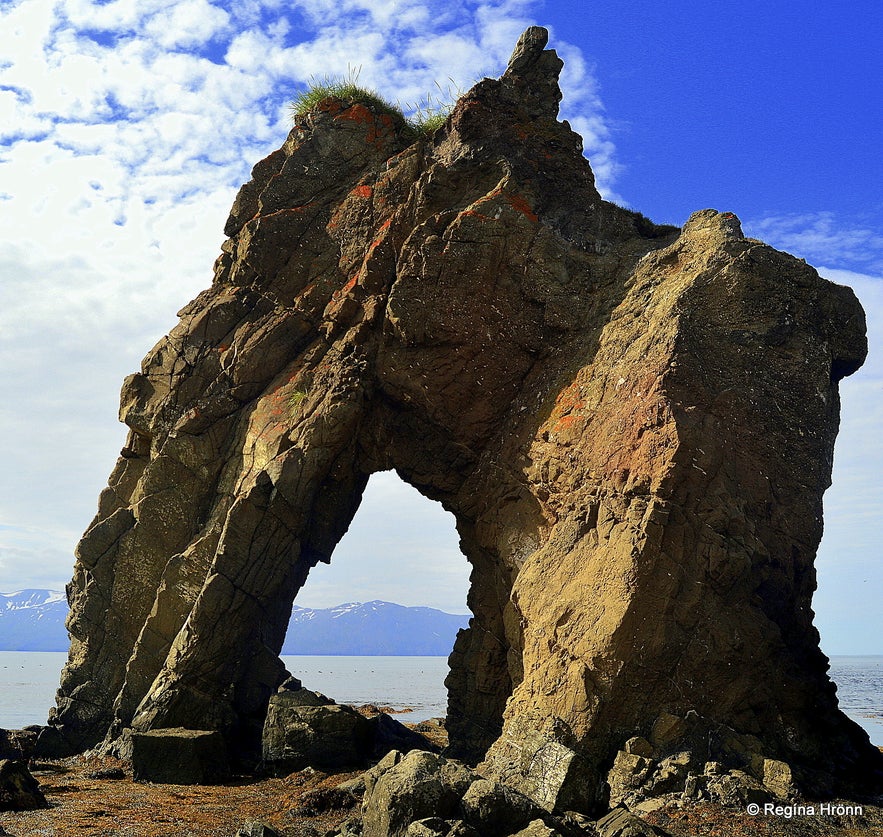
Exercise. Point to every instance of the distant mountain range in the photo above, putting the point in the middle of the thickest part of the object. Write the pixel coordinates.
(33, 620)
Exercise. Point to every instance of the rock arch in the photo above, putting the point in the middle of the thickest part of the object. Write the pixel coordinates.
(633, 426)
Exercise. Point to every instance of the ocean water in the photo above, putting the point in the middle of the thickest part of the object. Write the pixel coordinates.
(860, 690)
(28, 681)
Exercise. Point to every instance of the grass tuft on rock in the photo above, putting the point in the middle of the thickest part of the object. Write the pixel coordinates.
(428, 115)
(345, 89)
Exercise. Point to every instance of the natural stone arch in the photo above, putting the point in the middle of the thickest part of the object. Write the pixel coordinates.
(632, 425)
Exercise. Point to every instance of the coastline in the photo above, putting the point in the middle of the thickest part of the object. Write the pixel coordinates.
(308, 803)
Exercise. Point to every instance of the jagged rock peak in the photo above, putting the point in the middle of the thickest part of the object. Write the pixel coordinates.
(534, 70)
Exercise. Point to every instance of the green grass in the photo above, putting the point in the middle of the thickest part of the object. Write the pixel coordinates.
(344, 89)
(295, 399)
(645, 227)
(428, 115)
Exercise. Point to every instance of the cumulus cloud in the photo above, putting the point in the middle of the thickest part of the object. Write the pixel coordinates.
(855, 243)
(125, 129)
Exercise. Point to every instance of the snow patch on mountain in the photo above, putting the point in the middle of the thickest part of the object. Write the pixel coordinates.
(33, 620)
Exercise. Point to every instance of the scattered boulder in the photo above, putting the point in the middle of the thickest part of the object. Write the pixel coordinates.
(179, 757)
(299, 732)
(644, 775)
(19, 790)
(419, 786)
(736, 789)
(497, 810)
(257, 829)
(423, 794)
(305, 728)
(18, 744)
(622, 823)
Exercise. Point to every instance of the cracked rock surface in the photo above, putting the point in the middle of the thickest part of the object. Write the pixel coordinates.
(633, 426)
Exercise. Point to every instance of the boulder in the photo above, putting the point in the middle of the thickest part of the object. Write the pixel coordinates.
(429, 827)
(179, 757)
(257, 829)
(18, 744)
(495, 810)
(778, 779)
(628, 775)
(19, 791)
(622, 823)
(537, 828)
(305, 728)
(671, 773)
(390, 734)
(421, 785)
(639, 746)
(326, 736)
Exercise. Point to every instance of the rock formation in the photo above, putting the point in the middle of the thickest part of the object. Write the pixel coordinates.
(633, 426)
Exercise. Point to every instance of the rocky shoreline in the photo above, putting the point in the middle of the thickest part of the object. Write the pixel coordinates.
(420, 793)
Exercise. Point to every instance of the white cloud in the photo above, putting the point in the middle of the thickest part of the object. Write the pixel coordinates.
(187, 24)
(823, 237)
(125, 129)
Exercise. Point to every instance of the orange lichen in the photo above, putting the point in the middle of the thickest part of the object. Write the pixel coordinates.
(357, 113)
(363, 191)
(520, 204)
(343, 291)
(516, 201)
(381, 234)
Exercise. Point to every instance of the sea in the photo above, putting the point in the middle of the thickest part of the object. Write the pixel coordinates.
(414, 686)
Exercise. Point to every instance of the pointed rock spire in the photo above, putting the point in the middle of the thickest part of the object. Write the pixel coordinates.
(533, 71)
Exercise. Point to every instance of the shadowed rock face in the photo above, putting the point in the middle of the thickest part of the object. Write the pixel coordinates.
(632, 425)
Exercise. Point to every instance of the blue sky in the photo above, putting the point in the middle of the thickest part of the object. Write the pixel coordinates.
(126, 128)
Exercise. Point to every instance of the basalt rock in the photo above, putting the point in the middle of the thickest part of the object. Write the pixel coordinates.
(633, 426)
(179, 757)
(306, 729)
(19, 790)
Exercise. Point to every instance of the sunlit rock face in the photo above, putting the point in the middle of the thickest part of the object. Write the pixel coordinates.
(633, 426)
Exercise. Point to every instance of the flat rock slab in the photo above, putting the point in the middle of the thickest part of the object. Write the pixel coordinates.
(179, 757)
(622, 823)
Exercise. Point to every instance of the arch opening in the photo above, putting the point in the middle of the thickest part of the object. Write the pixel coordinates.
(404, 549)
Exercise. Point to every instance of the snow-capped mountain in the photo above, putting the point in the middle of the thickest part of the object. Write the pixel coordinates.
(372, 628)
(33, 620)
